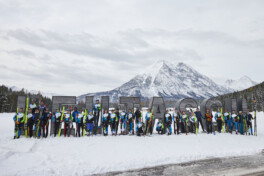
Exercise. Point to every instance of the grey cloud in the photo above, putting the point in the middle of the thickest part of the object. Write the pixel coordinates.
(125, 48)
(22, 52)
(191, 35)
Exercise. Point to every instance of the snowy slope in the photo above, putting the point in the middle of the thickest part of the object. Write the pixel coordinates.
(90, 155)
(166, 79)
(240, 84)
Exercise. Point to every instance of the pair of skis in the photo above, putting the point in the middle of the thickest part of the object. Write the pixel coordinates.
(62, 117)
(255, 123)
(223, 121)
(195, 122)
(150, 122)
(16, 125)
(38, 125)
(84, 122)
(26, 113)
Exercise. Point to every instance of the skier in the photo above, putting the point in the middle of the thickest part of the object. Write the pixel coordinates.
(56, 121)
(118, 119)
(209, 116)
(241, 122)
(75, 114)
(234, 122)
(123, 120)
(249, 118)
(139, 127)
(168, 121)
(33, 106)
(67, 119)
(148, 120)
(199, 117)
(79, 123)
(30, 122)
(218, 119)
(192, 122)
(227, 121)
(130, 122)
(137, 115)
(114, 120)
(105, 121)
(19, 119)
(90, 121)
(184, 122)
(159, 127)
(45, 123)
(42, 107)
(177, 121)
(97, 110)
(37, 123)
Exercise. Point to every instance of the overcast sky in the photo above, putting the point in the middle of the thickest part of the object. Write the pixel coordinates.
(77, 47)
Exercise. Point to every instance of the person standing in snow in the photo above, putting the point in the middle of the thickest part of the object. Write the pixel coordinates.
(123, 120)
(241, 119)
(209, 116)
(30, 122)
(199, 117)
(168, 121)
(249, 118)
(79, 124)
(234, 122)
(75, 115)
(184, 122)
(130, 117)
(37, 123)
(19, 119)
(113, 122)
(45, 123)
(118, 119)
(105, 121)
(90, 121)
(137, 115)
(227, 121)
(97, 110)
(148, 127)
(193, 121)
(67, 123)
(56, 121)
(176, 120)
(218, 119)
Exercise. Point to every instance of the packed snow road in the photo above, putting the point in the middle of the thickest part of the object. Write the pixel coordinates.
(97, 155)
(244, 165)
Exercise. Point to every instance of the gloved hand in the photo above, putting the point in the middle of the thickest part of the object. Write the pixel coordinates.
(17, 122)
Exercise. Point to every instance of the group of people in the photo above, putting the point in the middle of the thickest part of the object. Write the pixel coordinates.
(35, 122)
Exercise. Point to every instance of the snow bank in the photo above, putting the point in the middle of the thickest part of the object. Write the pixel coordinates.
(90, 155)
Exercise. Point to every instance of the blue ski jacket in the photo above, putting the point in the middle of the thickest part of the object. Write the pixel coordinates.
(198, 115)
(148, 116)
(74, 115)
(123, 116)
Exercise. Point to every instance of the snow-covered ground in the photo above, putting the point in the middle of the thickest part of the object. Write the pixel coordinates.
(90, 155)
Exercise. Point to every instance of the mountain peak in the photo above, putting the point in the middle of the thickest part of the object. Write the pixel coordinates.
(245, 78)
(240, 84)
(167, 79)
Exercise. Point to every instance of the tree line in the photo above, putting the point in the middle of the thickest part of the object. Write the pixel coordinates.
(8, 98)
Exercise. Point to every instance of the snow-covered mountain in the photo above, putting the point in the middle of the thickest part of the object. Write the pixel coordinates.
(240, 84)
(166, 79)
